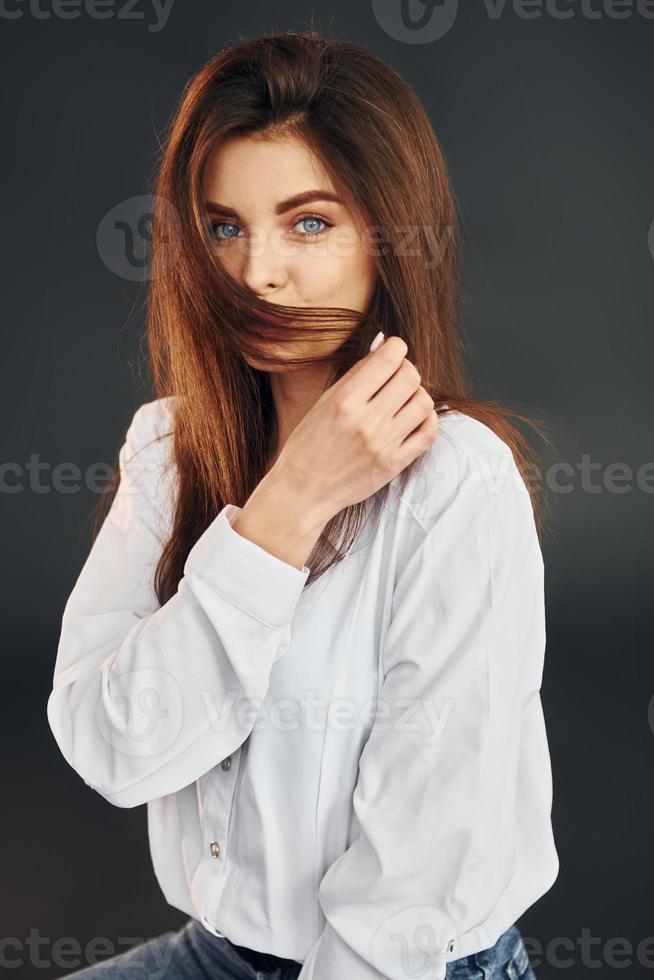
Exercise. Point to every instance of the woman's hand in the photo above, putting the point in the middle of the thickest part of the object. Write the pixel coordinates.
(363, 431)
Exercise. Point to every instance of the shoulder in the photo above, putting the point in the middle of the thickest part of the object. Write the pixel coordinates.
(145, 458)
(152, 420)
(469, 436)
(468, 465)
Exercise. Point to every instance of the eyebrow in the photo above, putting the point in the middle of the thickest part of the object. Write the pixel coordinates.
(291, 202)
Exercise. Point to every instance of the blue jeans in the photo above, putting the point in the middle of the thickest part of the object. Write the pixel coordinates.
(193, 953)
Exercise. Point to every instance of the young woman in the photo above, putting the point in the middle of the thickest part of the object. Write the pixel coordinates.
(310, 634)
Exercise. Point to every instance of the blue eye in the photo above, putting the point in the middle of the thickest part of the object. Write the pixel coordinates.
(213, 227)
(312, 217)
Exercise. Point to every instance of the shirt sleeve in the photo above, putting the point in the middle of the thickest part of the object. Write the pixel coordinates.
(436, 786)
(147, 697)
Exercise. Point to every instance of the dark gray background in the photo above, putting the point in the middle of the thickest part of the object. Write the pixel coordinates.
(546, 130)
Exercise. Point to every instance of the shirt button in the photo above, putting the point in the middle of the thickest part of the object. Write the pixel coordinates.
(214, 847)
(226, 763)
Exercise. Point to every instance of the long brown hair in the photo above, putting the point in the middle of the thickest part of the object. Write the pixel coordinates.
(373, 136)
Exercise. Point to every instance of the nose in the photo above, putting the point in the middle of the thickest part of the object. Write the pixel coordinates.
(263, 266)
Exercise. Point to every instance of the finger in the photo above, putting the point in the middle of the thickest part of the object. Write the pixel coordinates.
(366, 377)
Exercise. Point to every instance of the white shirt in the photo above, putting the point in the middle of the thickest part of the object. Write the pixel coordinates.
(363, 851)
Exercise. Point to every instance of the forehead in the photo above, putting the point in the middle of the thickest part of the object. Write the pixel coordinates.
(249, 169)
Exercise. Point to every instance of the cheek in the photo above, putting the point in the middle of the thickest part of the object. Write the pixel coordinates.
(225, 258)
(341, 269)
(320, 276)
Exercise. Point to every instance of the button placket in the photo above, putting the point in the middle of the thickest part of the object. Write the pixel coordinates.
(218, 802)
(214, 845)
(219, 798)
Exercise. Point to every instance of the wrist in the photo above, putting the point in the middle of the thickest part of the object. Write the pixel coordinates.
(273, 518)
(290, 504)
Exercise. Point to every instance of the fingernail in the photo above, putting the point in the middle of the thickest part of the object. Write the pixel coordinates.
(377, 341)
